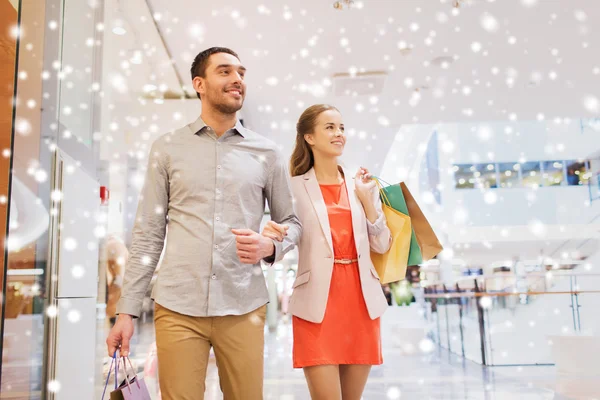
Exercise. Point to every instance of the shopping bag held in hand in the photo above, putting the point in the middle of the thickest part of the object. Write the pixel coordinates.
(131, 389)
(391, 266)
(428, 242)
(395, 198)
(424, 243)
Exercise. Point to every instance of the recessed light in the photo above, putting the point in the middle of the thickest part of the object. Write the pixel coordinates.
(118, 30)
(149, 88)
(442, 61)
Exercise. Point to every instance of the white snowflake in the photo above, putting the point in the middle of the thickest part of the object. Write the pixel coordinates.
(52, 311)
(486, 302)
(393, 393)
(74, 316)
(489, 23)
(54, 386)
(591, 104)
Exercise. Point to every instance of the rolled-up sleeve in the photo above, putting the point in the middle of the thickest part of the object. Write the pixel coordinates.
(148, 233)
(380, 237)
(278, 192)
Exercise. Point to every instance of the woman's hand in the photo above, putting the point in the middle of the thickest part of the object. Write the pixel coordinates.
(275, 231)
(364, 183)
(365, 187)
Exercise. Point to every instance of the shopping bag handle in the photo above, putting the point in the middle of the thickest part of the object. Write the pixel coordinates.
(386, 201)
(114, 357)
(115, 362)
(378, 179)
(132, 370)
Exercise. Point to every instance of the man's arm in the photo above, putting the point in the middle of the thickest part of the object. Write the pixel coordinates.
(281, 203)
(148, 233)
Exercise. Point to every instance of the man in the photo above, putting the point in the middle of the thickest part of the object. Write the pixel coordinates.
(209, 182)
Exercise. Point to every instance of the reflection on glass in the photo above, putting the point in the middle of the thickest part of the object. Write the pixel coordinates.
(509, 174)
(553, 173)
(468, 176)
(481, 176)
(76, 83)
(532, 176)
(8, 44)
(23, 332)
(486, 176)
(578, 173)
(463, 176)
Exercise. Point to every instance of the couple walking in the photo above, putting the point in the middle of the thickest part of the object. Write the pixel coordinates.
(208, 181)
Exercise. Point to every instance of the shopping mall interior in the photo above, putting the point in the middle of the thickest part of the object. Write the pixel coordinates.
(488, 111)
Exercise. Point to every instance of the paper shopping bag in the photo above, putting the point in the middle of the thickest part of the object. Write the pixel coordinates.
(133, 388)
(393, 196)
(392, 265)
(428, 242)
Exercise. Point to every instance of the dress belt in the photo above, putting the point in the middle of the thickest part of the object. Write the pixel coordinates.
(345, 261)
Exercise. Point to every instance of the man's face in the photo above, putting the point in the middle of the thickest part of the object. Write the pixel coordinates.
(223, 87)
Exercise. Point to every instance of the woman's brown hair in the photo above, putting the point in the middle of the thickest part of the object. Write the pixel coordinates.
(302, 157)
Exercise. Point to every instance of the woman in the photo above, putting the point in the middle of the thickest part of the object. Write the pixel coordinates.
(337, 298)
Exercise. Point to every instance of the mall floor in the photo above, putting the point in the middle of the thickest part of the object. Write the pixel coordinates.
(438, 375)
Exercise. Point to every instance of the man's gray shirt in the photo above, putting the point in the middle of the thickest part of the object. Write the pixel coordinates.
(197, 188)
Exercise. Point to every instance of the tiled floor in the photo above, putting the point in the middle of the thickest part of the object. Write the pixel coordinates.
(437, 375)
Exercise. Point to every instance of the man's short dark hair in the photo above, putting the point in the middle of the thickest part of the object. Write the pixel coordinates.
(201, 61)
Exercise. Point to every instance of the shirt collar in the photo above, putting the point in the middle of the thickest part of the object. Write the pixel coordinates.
(198, 125)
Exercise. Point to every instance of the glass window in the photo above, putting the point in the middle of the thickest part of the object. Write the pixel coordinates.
(532, 175)
(463, 176)
(60, 102)
(467, 176)
(553, 173)
(486, 176)
(578, 173)
(23, 318)
(509, 175)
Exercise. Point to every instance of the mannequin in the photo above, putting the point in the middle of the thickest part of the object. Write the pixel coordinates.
(116, 258)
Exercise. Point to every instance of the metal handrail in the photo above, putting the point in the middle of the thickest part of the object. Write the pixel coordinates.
(441, 295)
(484, 279)
(500, 294)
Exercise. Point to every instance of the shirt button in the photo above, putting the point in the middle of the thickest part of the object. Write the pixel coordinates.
(218, 218)
(216, 246)
(218, 167)
(213, 277)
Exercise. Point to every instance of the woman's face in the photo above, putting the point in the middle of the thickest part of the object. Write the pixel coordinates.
(328, 138)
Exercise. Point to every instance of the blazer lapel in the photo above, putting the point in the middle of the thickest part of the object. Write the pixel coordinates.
(316, 198)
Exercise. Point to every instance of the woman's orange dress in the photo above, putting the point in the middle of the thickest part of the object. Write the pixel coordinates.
(347, 334)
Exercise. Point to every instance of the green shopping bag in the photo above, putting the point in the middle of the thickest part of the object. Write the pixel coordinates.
(397, 202)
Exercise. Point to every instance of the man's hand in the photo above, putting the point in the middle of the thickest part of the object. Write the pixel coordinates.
(120, 335)
(252, 247)
(275, 231)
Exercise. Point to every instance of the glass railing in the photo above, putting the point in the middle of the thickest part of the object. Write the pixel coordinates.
(594, 187)
(513, 320)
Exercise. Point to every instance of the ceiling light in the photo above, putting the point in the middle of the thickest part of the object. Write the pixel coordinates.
(136, 58)
(442, 60)
(149, 88)
(119, 31)
(118, 27)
